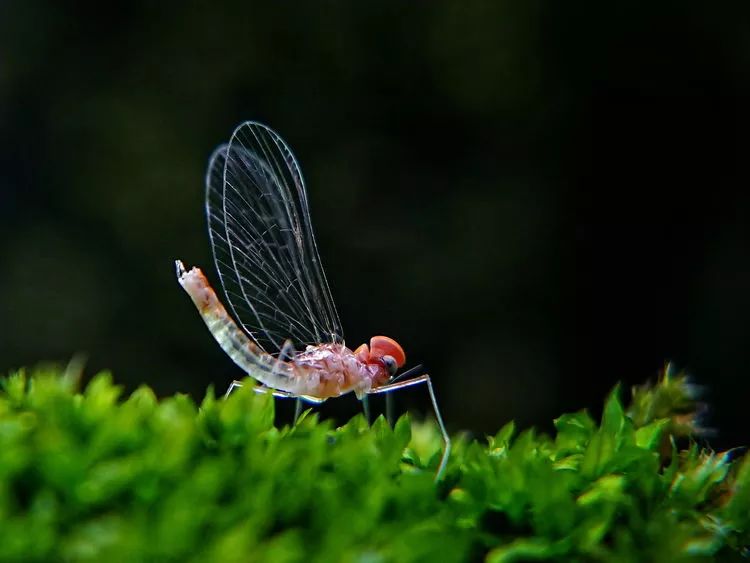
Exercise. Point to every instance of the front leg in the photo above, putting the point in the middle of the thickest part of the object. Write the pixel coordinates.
(417, 381)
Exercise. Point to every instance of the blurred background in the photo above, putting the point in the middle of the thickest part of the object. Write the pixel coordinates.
(536, 199)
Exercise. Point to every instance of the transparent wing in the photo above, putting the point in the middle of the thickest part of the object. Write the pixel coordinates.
(263, 243)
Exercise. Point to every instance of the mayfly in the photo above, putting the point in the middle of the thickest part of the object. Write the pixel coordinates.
(267, 260)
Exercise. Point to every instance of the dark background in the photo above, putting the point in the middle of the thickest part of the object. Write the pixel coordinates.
(536, 199)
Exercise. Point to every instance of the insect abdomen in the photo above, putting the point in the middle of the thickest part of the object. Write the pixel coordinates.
(244, 352)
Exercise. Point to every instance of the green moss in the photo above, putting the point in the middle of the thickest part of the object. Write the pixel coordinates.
(87, 476)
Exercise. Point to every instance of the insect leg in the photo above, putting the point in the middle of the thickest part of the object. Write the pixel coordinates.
(279, 394)
(232, 387)
(366, 408)
(264, 389)
(390, 400)
(417, 381)
(297, 410)
(286, 354)
(287, 351)
(389, 408)
(300, 401)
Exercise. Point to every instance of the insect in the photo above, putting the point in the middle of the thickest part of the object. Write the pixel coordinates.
(267, 259)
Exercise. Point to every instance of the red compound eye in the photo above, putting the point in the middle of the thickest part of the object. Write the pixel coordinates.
(383, 346)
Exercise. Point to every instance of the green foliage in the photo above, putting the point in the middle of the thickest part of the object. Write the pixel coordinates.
(86, 476)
